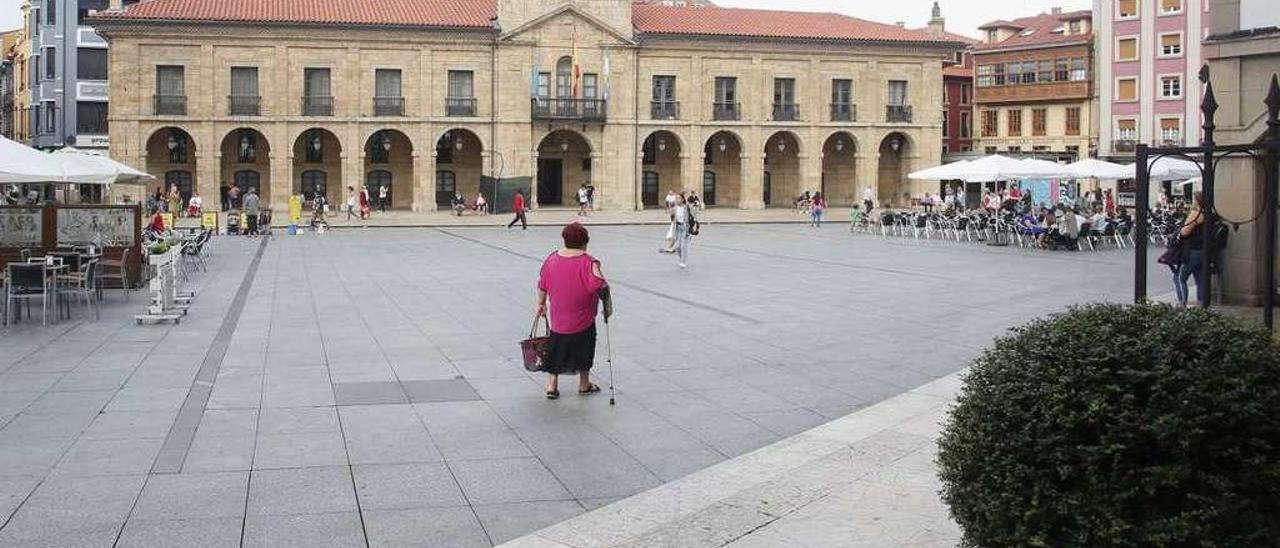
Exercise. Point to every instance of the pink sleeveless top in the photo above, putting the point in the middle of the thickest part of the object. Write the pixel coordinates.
(572, 289)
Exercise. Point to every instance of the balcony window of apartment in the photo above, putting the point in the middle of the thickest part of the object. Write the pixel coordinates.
(784, 99)
(1039, 119)
(1061, 69)
(87, 5)
(244, 91)
(543, 86)
(946, 124)
(1170, 7)
(663, 106)
(1073, 121)
(989, 122)
(91, 118)
(1127, 49)
(966, 94)
(1079, 72)
(898, 110)
(590, 86)
(998, 76)
(842, 100)
(1029, 72)
(51, 12)
(1171, 87)
(171, 85)
(1127, 89)
(1013, 73)
(1171, 44)
(1046, 71)
(1127, 130)
(388, 99)
(460, 99)
(1171, 131)
(50, 117)
(50, 63)
(1015, 122)
(1126, 9)
(91, 64)
(984, 76)
(726, 99)
(564, 77)
(317, 100)
(966, 125)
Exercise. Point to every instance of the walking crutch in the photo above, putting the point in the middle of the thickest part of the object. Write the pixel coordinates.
(606, 301)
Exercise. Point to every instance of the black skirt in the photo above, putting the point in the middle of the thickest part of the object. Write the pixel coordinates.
(571, 353)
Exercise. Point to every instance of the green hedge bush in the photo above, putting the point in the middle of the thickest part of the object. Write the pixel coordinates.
(1114, 425)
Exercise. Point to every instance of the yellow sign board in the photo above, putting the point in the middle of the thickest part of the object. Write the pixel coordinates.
(209, 220)
(295, 209)
(168, 220)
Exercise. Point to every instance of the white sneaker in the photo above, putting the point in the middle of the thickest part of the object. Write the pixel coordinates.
(682, 266)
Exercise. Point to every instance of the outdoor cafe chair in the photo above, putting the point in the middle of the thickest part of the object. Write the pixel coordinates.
(82, 284)
(115, 270)
(28, 281)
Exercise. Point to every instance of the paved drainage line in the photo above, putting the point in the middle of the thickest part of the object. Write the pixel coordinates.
(176, 445)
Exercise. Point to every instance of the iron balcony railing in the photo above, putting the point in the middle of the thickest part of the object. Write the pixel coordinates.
(568, 108)
(317, 105)
(726, 110)
(786, 112)
(388, 106)
(460, 106)
(171, 104)
(244, 105)
(1125, 145)
(897, 113)
(844, 112)
(664, 110)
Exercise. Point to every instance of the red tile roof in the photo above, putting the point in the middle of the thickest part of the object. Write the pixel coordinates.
(957, 71)
(1038, 31)
(716, 21)
(412, 13)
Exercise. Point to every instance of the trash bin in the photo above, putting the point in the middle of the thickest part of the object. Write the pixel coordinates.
(293, 230)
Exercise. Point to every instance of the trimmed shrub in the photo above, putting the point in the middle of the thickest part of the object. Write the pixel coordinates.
(1114, 425)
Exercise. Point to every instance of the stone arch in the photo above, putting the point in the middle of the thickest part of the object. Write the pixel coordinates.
(564, 164)
(661, 165)
(318, 149)
(172, 149)
(893, 164)
(722, 155)
(245, 149)
(389, 152)
(459, 154)
(840, 169)
(782, 182)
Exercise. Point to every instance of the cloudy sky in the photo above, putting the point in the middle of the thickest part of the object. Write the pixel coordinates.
(963, 16)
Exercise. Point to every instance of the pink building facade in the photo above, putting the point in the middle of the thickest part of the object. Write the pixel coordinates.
(1148, 57)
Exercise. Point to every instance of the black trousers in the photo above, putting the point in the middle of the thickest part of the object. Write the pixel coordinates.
(520, 219)
(253, 224)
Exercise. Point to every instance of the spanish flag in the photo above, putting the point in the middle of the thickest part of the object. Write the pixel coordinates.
(576, 71)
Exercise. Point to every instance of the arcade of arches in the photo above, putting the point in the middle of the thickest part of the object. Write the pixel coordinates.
(726, 172)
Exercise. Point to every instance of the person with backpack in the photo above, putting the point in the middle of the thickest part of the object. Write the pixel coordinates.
(686, 225)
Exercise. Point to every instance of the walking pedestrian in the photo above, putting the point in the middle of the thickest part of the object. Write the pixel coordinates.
(383, 193)
(482, 205)
(868, 202)
(815, 212)
(591, 196)
(233, 197)
(1191, 249)
(683, 219)
(573, 280)
(584, 200)
(251, 210)
(351, 202)
(175, 201)
(517, 205)
(364, 202)
(222, 197)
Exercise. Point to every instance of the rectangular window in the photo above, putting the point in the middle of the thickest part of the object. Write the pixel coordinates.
(590, 86)
(1013, 73)
(1126, 9)
(1169, 7)
(1079, 70)
(50, 117)
(1029, 72)
(897, 93)
(91, 64)
(998, 76)
(1127, 89)
(966, 125)
(51, 12)
(784, 91)
(87, 5)
(946, 124)
(989, 123)
(170, 80)
(984, 76)
(244, 81)
(1015, 148)
(842, 92)
(1171, 131)
(1073, 27)
(664, 89)
(91, 118)
(1046, 71)
(315, 82)
(50, 63)
(726, 89)
(1061, 69)
(1171, 87)
(1015, 122)
(544, 84)
(1127, 130)
(1073, 121)
(386, 82)
(1039, 119)
(1127, 49)
(461, 83)
(966, 94)
(1171, 45)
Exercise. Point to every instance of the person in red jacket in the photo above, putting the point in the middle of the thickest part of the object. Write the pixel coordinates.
(517, 204)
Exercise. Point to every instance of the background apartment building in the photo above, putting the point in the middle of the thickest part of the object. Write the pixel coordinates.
(957, 93)
(1033, 85)
(1148, 55)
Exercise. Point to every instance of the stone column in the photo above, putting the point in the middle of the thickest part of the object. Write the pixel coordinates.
(751, 182)
(690, 173)
(281, 166)
(424, 176)
(531, 201)
(208, 171)
(597, 180)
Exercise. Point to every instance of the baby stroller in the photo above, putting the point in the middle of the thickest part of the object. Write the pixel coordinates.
(233, 223)
(264, 222)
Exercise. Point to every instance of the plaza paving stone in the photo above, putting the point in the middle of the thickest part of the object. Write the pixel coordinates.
(367, 390)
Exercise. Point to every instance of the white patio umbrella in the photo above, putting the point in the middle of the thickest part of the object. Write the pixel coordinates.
(1099, 169)
(1044, 169)
(1166, 168)
(83, 167)
(999, 168)
(953, 170)
(20, 163)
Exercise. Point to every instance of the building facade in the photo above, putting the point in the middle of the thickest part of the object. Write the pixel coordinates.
(1243, 52)
(1033, 85)
(7, 41)
(747, 108)
(957, 92)
(68, 103)
(18, 54)
(1149, 52)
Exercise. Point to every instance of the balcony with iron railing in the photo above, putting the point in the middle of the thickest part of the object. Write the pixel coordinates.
(664, 110)
(244, 105)
(844, 112)
(568, 108)
(317, 105)
(388, 106)
(897, 113)
(786, 112)
(726, 110)
(460, 106)
(1170, 138)
(1125, 143)
(173, 105)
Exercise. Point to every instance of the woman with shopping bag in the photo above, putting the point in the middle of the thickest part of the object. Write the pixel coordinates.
(572, 280)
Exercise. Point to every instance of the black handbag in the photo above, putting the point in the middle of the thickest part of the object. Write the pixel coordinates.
(534, 349)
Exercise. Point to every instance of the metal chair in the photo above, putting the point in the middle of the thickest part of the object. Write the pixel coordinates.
(28, 281)
(119, 272)
(83, 284)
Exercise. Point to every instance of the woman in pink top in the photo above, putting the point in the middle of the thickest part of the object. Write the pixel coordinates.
(573, 280)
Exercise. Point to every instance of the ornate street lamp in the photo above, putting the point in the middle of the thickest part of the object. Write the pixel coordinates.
(662, 144)
(839, 144)
(723, 145)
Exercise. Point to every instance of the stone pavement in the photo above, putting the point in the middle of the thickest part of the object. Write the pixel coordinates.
(362, 387)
